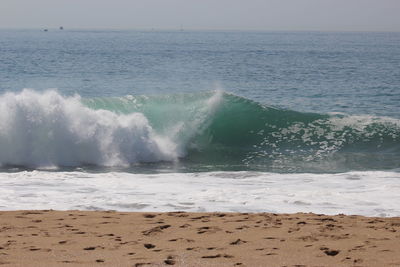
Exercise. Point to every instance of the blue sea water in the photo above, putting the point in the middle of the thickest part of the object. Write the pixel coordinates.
(352, 72)
(272, 109)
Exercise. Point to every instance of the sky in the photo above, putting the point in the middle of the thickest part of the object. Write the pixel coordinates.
(266, 15)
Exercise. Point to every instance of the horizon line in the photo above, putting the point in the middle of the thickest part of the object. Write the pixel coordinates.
(57, 28)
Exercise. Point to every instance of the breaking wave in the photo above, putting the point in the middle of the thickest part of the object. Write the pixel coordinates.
(209, 128)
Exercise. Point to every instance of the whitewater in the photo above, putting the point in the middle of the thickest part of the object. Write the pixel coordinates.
(373, 193)
(47, 130)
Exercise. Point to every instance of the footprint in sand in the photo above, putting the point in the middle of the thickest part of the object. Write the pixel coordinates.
(69, 261)
(193, 248)
(156, 230)
(208, 229)
(238, 242)
(170, 260)
(199, 218)
(217, 256)
(270, 254)
(89, 248)
(330, 252)
(149, 246)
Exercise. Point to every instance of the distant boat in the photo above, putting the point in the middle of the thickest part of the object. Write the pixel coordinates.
(61, 28)
(46, 30)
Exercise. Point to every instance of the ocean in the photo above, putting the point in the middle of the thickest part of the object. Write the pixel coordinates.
(200, 121)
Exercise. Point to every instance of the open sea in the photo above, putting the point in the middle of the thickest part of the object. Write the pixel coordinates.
(200, 121)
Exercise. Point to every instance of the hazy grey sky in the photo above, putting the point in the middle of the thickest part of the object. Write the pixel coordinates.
(348, 15)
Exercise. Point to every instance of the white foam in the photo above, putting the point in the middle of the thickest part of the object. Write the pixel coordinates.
(374, 193)
(47, 129)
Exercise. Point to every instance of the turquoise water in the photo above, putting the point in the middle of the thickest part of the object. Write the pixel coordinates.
(149, 101)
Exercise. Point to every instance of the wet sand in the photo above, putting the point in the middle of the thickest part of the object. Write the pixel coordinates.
(97, 238)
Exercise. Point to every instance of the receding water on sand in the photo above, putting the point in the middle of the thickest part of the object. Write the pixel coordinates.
(372, 193)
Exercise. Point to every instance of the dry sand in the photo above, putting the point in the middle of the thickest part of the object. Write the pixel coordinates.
(81, 238)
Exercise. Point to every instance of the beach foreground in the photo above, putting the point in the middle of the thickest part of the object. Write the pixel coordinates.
(109, 238)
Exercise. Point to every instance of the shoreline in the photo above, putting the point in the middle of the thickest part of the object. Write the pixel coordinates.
(112, 238)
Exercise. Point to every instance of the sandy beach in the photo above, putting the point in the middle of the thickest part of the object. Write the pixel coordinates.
(109, 238)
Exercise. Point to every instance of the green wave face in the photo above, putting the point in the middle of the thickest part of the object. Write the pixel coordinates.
(224, 131)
